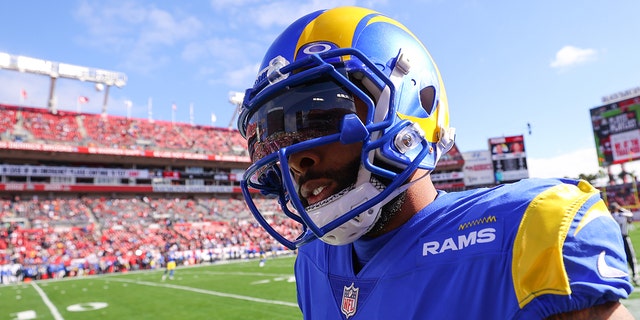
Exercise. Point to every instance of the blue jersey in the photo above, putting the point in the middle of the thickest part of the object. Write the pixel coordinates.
(520, 251)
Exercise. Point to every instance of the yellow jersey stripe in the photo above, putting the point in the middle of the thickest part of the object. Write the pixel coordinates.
(537, 265)
(598, 210)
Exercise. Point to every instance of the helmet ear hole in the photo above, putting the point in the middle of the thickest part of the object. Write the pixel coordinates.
(427, 97)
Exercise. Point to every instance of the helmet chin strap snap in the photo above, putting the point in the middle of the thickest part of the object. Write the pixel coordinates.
(447, 139)
(446, 136)
(410, 137)
(403, 64)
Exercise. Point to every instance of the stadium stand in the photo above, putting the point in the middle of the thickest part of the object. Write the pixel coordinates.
(87, 194)
(82, 129)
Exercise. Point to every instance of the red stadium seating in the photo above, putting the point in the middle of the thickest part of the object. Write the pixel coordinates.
(64, 233)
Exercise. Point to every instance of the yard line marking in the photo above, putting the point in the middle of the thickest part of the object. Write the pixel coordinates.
(52, 308)
(209, 292)
(261, 281)
(240, 273)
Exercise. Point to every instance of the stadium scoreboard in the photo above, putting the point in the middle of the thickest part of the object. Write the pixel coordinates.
(615, 128)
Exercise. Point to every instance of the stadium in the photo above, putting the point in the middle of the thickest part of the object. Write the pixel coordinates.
(94, 200)
(87, 195)
(94, 206)
(120, 196)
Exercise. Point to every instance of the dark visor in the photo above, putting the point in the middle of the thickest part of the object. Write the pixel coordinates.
(297, 114)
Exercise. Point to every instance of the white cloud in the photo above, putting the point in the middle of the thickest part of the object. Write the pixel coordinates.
(217, 49)
(162, 28)
(224, 5)
(570, 164)
(573, 163)
(282, 13)
(570, 56)
(139, 32)
(242, 77)
(239, 78)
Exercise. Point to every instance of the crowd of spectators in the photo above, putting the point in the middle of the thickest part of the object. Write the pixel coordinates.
(69, 236)
(96, 130)
(49, 127)
(59, 235)
(625, 194)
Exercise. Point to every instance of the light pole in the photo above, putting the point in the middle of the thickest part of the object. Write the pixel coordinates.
(236, 99)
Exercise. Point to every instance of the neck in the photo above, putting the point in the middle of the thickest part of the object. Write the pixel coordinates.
(421, 193)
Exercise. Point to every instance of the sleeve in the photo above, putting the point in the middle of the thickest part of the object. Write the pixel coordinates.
(568, 254)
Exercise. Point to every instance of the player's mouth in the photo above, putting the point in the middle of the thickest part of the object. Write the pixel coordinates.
(315, 196)
(315, 191)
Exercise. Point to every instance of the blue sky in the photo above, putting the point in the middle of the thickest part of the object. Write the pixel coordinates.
(504, 63)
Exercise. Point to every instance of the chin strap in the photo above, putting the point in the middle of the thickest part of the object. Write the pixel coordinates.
(365, 189)
(446, 140)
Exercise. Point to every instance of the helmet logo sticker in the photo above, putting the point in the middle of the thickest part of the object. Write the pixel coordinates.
(315, 48)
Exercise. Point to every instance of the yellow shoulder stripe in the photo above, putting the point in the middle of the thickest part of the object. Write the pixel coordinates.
(537, 265)
(596, 211)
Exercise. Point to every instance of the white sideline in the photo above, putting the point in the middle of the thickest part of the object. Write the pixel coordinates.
(52, 308)
(209, 292)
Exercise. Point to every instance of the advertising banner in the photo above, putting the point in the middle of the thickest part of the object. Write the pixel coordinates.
(616, 131)
(509, 158)
(478, 168)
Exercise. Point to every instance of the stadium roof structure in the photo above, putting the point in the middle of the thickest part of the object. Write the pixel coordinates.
(55, 70)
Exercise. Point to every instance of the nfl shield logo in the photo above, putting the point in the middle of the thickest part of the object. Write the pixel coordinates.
(349, 300)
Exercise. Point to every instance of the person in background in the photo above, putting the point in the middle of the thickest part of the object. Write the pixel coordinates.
(170, 268)
(346, 120)
(624, 218)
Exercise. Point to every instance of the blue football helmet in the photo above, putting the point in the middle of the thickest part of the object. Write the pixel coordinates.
(304, 97)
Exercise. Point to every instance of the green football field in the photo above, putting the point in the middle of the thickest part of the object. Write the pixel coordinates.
(240, 290)
(236, 290)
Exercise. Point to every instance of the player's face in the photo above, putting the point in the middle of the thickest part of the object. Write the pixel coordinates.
(300, 113)
(323, 171)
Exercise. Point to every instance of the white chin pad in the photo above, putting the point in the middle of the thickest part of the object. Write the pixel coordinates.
(338, 206)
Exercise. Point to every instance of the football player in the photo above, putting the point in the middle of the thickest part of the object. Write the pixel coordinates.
(344, 123)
